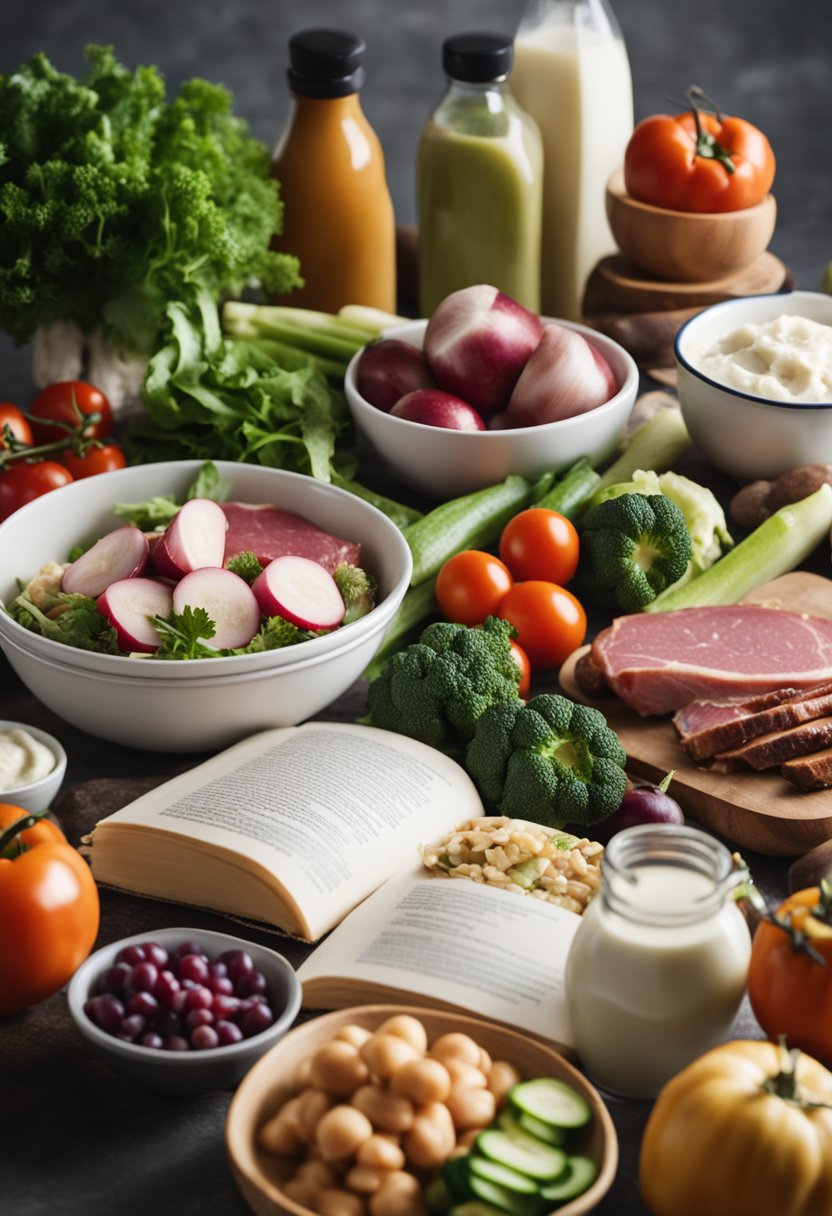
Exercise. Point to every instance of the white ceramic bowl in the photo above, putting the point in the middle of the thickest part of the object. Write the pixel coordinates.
(36, 796)
(202, 704)
(186, 1072)
(750, 437)
(442, 464)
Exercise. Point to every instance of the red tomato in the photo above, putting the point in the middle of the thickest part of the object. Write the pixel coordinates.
(22, 482)
(62, 402)
(471, 586)
(539, 543)
(522, 661)
(15, 420)
(550, 621)
(96, 460)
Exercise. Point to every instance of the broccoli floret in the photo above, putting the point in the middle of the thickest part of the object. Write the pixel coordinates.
(246, 565)
(436, 689)
(632, 548)
(358, 591)
(550, 760)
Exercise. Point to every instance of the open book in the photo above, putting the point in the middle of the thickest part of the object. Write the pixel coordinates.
(310, 827)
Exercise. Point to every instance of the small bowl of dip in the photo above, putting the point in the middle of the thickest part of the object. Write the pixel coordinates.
(755, 382)
(32, 766)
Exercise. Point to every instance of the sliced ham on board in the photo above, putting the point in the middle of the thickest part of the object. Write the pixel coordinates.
(775, 748)
(271, 532)
(658, 662)
(706, 728)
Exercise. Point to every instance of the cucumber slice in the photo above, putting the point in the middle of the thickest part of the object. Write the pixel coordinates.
(580, 1175)
(522, 1152)
(508, 1201)
(455, 1174)
(544, 1131)
(437, 1196)
(551, 1101)
(495, 1171)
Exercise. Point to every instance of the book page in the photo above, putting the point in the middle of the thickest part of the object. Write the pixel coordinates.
(332, 809)
(485, 950)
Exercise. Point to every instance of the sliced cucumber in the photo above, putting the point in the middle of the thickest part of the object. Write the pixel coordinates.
(522, 1152)
(495, 1171)
(437, 1196)
(551, 1101)
(544, 1131)
(456, 1174)
(580, 1175)
(508, 1201)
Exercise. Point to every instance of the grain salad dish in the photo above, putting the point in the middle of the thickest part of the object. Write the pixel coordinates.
(521, 857)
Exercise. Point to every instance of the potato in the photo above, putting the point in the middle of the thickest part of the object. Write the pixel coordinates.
(749, 506)
(798, 483)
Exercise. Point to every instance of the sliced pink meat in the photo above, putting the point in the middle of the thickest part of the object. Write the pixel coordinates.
(657, 663)
(708, 727)
(271, 532)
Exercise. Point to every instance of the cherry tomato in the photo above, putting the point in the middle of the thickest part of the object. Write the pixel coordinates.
(539, 543)
(22, 482)
(15, 420)
(96, 460)
(550, 621)
(471, 586)
(58, 403)
(522, 661)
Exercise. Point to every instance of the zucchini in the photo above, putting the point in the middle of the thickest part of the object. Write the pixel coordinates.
(570, 492)
(509, 1119)
(552, 1102)
(580, 1174)
(504, 1175)
(501, 1197)
(522, 1152)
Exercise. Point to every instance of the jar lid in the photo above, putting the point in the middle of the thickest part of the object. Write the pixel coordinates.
(477, 57)
(325, 63)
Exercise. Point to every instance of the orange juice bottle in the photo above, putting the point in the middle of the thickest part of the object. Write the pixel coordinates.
(338, 216)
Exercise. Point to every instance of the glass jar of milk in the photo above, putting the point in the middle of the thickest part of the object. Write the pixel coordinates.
(657, 969)
(572, 74)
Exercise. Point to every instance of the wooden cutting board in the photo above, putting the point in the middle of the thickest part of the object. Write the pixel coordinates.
(758, 811)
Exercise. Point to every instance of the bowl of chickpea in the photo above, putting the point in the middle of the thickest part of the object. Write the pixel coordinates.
(357, 1112)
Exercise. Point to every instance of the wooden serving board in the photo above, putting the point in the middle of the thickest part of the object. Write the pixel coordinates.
(759, 811)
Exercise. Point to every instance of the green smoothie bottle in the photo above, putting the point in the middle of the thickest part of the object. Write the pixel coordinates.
(480, 180)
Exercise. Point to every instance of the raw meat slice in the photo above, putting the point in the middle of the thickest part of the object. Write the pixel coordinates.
(775, 748)
(812, 772)
(708, 727)
(656, 663)
(271, 532)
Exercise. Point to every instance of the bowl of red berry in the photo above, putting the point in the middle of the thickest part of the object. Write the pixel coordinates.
(184, 1011)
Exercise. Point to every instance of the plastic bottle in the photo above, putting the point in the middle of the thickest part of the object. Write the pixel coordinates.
(572, 74)
(480, 178)
(338, 216)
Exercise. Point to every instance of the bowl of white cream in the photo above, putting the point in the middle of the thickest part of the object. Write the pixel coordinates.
(32, 766)
(755, 382)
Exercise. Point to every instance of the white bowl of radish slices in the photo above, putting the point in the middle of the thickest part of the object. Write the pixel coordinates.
(204, 703)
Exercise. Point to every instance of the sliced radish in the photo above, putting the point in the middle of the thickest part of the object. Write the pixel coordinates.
(301, 591)
(129, 604)
(228, 600)
(194, 539)
(120, 554)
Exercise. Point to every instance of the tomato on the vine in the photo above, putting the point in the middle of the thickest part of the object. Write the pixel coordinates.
(15, 420)
(22, 482)
(549, 620)
(522, 660)
(65, 402)
(539, 543)
(471, 586)
(104, 459)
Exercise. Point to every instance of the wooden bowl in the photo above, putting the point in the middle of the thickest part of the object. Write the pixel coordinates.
(687, 246)
(259, 1174)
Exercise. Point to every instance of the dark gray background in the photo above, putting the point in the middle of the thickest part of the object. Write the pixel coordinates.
(767, 60)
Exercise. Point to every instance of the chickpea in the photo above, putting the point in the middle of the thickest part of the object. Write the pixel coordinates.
(364, 1179)
(356, 1035)
(485, 1062)
(304, 1192)
(408, 1028)
(336, 1202)
(464, 1074)
(380, 1153)
(399, 1195)
(281, 1136)
(432, 1138)
(471, 1107)
(386, 1111)
(320, 1173)
(501, 1078)
(384, 1054)
(466, 1141)
(422, 1081)
(341, 1131)
(338, 1068)
(457, 1046)
(312, 1106)
(301, 1077)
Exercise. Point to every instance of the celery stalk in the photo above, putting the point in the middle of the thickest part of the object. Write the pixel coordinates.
(778, 545)
(657, 444)
(373, 319)
(268, 317)
(291, 358)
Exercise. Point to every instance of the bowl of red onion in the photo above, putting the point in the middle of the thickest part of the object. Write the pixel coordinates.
(483, 389)
(183, 1011)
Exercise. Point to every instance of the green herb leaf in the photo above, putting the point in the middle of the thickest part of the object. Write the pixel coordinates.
(183, 635)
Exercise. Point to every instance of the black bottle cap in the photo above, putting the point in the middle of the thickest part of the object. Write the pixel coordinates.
(477, 57)
(325, 63)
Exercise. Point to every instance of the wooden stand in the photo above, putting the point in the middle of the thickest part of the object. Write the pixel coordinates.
(644, 314)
